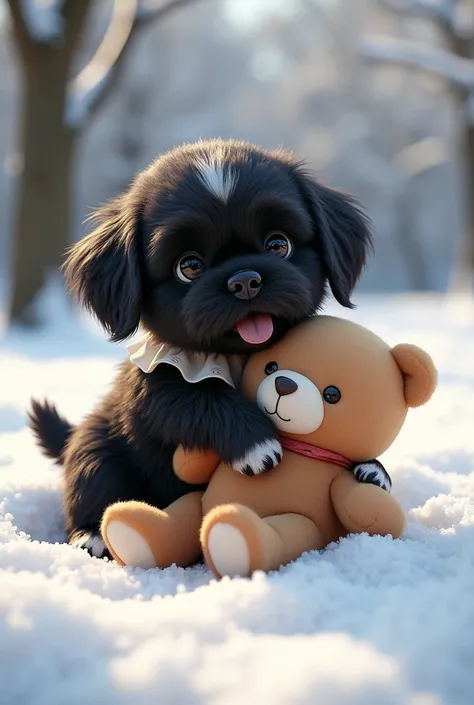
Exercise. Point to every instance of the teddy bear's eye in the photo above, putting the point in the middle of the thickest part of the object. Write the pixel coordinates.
(332, 395)
(271, 367)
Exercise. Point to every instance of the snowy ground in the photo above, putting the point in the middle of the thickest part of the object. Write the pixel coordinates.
(369, 622)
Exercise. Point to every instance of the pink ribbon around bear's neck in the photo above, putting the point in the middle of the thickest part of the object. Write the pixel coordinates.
(316, 453)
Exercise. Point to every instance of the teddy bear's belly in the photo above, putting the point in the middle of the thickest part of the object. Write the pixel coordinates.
(298, 485)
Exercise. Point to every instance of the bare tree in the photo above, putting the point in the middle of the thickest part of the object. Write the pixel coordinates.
(56, 109)
(455, 64)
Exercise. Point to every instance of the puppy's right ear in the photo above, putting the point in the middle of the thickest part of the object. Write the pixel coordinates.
(103, 271)
(342, 234)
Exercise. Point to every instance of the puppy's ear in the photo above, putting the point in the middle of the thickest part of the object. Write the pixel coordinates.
(343, 232)
(103, 272)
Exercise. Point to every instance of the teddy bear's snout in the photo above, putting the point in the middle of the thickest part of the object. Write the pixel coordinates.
(292, 401)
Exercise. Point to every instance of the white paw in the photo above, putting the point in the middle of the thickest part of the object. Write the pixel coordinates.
(228, 551)
(373, 473)
(259, 459)
(129, 545)
(92, 543)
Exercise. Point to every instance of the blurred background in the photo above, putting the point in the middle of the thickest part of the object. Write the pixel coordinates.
(377, 95)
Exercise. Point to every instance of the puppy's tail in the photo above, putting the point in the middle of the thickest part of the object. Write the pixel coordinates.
(50, 429)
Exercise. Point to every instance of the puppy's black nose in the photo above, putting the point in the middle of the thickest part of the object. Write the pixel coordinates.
(285, 386)
(245, 285)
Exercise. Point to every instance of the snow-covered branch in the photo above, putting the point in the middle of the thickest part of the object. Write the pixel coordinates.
(87, 86)
(43, 19)
(437, 9)
(456, 16)
(90, 88)
(452, 68)
(421, 156)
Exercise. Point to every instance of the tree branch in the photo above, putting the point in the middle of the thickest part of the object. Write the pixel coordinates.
(90, 89)
(454, 17)
(75, 16)
(440, 10)
(89, 84)
(151, 10)
(21, 32)
(421, 156)
(456, 70)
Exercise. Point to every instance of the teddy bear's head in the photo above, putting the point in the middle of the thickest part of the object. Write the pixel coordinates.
(337, 385)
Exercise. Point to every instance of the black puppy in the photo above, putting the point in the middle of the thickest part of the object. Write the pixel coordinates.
(217, 248)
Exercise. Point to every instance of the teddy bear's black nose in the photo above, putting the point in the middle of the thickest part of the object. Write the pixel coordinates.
(285, 386)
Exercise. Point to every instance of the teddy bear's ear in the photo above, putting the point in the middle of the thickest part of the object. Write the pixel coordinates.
(419, 373)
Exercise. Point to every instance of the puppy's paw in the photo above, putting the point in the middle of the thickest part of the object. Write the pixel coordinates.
(90, 542)
(373, 473)
(262, 457)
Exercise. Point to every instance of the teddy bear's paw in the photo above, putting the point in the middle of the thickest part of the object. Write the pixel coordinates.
(91, 542)
(373, 473)
(262, 457)
(129, 545)
(228, 550)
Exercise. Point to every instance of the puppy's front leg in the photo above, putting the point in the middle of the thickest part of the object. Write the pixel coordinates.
(241, 434)
(211, 414)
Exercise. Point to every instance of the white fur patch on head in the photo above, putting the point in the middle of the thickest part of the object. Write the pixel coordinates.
(216, 175)
(228, 551)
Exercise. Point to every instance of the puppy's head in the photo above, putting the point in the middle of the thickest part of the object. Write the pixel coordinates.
(219, 246)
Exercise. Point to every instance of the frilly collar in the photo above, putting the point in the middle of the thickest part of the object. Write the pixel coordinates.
(147, 354)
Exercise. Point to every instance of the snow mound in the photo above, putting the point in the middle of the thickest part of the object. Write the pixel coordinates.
(369, 621)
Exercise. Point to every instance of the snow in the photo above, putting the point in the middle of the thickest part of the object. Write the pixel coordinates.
(370, 620)
(43, 19)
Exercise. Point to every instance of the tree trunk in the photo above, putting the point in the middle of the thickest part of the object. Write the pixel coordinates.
(470, 196)
(462, 280)
(43, 198)
(411, 249)
(462, 275)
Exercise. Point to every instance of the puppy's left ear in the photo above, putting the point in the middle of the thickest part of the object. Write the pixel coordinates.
(343, 232)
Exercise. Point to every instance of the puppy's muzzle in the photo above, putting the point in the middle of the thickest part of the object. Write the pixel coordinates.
(245, 285)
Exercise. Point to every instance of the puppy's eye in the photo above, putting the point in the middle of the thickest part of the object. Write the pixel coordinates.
(279, 244)
(332, 395)
(271, 367)
(188, 267)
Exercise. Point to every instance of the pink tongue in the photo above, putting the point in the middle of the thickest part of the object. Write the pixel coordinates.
(256, 329)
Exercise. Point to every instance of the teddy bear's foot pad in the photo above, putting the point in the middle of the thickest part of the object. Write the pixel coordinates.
(129, 545)
(228, 550)
(236, 541)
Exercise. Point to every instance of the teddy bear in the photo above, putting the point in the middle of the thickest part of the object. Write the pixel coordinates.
(339, 396)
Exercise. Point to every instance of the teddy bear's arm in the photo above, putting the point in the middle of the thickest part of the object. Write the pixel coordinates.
(195, 466)
(365, 507)
(372, 472)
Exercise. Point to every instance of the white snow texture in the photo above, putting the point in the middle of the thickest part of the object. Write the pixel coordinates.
(369, 621)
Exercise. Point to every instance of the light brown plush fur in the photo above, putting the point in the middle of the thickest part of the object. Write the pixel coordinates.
(242, 523)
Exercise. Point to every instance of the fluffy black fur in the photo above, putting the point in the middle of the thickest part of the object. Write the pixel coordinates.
(125, 273)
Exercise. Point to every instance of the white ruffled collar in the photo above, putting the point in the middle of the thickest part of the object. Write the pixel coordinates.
(147, 354)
